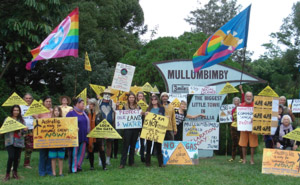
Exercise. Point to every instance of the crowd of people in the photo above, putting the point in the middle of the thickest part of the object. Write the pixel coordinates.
(96, 110)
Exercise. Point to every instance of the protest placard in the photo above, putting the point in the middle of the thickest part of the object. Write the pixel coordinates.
(225, 113)
(14, 99)
(176, 99)
(180, 153)
(123, 77)
(155, 90)
(143, 105)
(147, 87)
(98, 89)
(104, 130)
(281, 162)
(228, 88)
(36, 108)
(135, 89)
(82, 95)
(205, 134)
(244, 118)
(87, 64)
(10, 125)
(127, 119)
(294, 105)
(154, 128)
(202, 89)
(294, 135)
(55, 132)
(268, 91)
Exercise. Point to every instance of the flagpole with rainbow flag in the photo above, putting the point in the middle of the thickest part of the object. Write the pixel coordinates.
(62, 41)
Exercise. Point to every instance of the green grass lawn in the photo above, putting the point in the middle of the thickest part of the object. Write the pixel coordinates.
(215, 170)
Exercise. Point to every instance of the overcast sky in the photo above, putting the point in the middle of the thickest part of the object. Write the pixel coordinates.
(266, 17)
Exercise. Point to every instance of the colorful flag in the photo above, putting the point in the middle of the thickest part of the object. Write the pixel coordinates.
(219, 46)
(87, 64)
(62, 41)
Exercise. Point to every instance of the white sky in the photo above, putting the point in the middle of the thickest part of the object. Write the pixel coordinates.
(265, 17)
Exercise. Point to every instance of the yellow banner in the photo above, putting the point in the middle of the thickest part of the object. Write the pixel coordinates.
(135, 89)
(155, 90)
(268, 91)
(10, 125)
(228, 88)
(36, 108)
(87, 64)
(14, 99)
(154, 128)
(147, 87)
(98, 89)
(143, 105)
(294, 135)
(104, 130)
(281, 162)
(55, 132)
(82, 95)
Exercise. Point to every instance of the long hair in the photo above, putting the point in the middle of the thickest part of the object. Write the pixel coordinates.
(96, 106)
(150, 103)
(134, 101)
(59, 110)
(19, 117)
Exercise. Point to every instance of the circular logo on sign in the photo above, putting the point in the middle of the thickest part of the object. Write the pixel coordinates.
(124, 71)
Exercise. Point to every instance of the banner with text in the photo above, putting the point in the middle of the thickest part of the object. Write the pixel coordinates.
(244, 118)
(123, 77)
(126, 119)
(202, 89)
(225, 113)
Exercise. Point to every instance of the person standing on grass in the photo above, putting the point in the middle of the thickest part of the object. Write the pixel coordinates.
(246, 136)
(156, 108)
(94, 144)
(76, 154)
(286, 110)
(140, 96)
(65, 101)
(130, 136)
(14, 142)
(44, 161)
(170, 113)
(57, 153)
(29, 134)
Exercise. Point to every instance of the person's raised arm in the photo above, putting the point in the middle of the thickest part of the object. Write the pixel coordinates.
(242, 92)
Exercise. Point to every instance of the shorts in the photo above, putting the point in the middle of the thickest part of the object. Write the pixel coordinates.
(246, 137)
(55, 153)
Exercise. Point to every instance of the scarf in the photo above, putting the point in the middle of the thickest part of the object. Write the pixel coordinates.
(285, 130)
(87, 118)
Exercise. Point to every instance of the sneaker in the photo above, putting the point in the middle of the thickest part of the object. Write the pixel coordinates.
(107, 160)
(100, 162)
(7, 177)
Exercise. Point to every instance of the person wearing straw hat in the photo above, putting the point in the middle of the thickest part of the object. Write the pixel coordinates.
(65, 101)
(107, 109)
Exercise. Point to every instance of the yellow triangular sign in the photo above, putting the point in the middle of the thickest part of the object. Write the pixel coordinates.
(14, 99)
(268, 91)
(87, 64)
(135, 89)
(180, 156)
(228, 88)
(294, 135)
(143, 105)
(41, 101)
(36, 108)
(10, 125)
(193, 132)
(82, 95)
(176, 103)
(155, 90)
(104, 130)
(98, 89)
(147, 87)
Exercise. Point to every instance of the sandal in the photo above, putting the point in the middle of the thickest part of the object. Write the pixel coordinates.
(241, 160)
(230, 160)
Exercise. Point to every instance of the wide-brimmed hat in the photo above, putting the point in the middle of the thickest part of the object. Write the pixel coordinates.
(67, 97)
(106, 91)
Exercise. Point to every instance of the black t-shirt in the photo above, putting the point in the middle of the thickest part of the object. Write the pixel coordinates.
(179, 117)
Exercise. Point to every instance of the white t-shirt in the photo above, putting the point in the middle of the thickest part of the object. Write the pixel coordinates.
(28, 119)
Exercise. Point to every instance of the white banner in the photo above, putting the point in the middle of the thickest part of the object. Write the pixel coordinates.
(295, 106)
(202, 89)
(123, 77)
(225, 113)
(244, 118)
(127, 119)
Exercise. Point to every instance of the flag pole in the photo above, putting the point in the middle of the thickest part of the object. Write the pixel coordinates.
(243, 65)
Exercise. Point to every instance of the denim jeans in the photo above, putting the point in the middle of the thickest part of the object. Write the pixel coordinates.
(44, 163)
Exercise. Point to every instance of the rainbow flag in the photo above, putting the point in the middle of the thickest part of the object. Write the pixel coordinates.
(219, 46)
(62, 41)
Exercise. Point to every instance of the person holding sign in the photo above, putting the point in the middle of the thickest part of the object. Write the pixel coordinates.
(65, 101)
(95, 117)
(282, 130)
(76, 154)
(130, 135)
(247, 136)
(170, 113)
(286, 110)
(156, 108)
(29, 135)
(44, 161)
(14, 142)
(140, 96)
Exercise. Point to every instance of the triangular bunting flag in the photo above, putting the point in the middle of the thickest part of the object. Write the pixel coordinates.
(228, 88)
(36, 108)
(193, 132)
(180, 156)
(155, 90)
(98, 89)
(147, 87)
(87, 64)
(14, 99)
(268, 91)
(10, 125)
(294, 135)
(104, 130)
(82, 95)
(143, 105)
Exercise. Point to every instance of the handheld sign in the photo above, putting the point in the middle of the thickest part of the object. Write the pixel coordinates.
(14, 99)
(147, 87)
(155, 90)
(155, 127)
(225, 113)
(135, 89)
(295, 107)
(36, 108)
(10, 125)
(98, 89)
(268, 91)
(82, 95)
(244, 118)
(104, 130)
(294, 135)
(143, 105)
(127, 119)
(175, 103)
(87, 64)
(55, 132)
(123, 77)
(228, 88)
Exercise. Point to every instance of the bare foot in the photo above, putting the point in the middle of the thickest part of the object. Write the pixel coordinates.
(251, 162)
(244, 161)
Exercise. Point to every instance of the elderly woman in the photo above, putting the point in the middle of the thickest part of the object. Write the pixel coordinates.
(95, 117)
(285, 128)
(76, 154)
